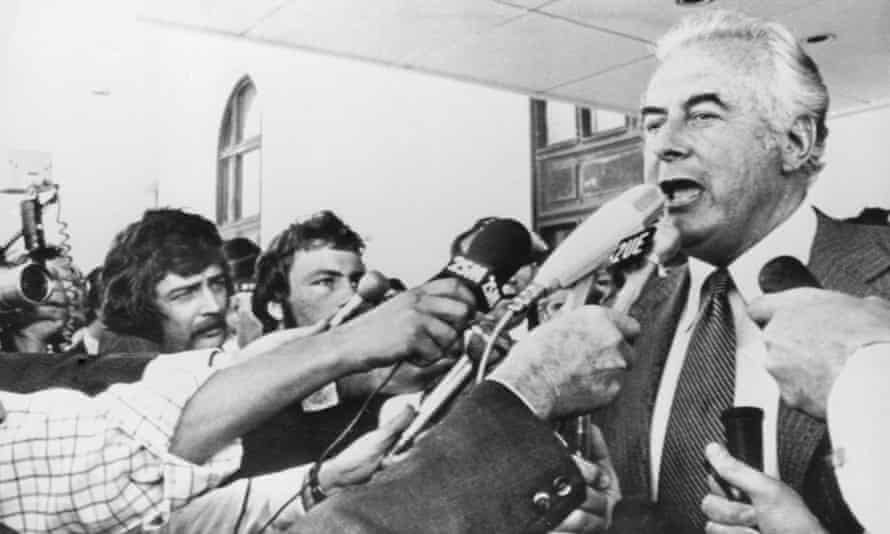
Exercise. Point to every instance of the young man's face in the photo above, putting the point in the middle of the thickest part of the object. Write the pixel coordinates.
(320, 281)
(193, 309)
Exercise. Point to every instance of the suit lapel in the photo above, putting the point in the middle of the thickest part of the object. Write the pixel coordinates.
(625, 423)
(846, 258)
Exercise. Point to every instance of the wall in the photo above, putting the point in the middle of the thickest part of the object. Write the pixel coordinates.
(857, 170)
(408, 160)
(103, 147)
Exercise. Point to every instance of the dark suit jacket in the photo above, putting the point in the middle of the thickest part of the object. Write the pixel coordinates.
(479, 471)
(851, 258)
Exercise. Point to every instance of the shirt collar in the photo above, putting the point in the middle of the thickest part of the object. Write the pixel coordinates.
(794, 237)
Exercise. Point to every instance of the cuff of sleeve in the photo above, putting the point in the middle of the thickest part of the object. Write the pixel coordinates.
(509, 387)
(184, 481)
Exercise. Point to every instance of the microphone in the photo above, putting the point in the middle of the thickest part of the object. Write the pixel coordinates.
(371, 288)
(783, 273)
(744, 440)
(494, 254)
(591, 244)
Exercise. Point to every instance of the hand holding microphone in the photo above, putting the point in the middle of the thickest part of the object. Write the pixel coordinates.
(810, 333)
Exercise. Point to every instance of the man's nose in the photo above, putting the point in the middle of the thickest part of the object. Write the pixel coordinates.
(212, 301)
(669, 143)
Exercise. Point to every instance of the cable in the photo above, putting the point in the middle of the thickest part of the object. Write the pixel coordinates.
(333, 445)
(489, 345)
(243, 510)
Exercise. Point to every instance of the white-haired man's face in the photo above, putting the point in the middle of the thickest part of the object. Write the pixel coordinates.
(709, 147)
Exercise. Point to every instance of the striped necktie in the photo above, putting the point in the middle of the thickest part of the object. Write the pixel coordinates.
(705, 388)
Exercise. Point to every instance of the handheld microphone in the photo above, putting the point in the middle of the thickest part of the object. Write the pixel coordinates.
(494, 254)
(371, 288)
(743, 426)
(593, 241)
(785, 272)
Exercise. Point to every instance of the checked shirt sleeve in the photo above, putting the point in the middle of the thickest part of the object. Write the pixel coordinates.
(71, 463)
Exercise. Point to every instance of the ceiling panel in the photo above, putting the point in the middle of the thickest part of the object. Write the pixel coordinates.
(534, 53)
(619, 89)
(857, 63)
(385, 30)
(231, 16)
(648, 19)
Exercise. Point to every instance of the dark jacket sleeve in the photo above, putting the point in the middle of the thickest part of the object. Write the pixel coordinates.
(489, 467)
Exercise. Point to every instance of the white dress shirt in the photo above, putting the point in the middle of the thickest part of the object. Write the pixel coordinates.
(753, 384)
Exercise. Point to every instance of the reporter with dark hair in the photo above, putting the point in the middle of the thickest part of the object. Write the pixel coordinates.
(166, 285)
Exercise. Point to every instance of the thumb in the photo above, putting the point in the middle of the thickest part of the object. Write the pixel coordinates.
(398, 423)
(736, 472)
(761, 309)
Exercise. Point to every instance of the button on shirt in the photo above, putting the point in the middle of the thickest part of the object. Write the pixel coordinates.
(754, 386)
(69, 462)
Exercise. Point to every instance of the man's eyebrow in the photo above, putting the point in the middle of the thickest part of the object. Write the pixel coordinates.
(183, 288)
(652, 110)
(324, 272)
(705, 98)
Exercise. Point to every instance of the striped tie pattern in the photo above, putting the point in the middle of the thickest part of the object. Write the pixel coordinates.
(705, 388)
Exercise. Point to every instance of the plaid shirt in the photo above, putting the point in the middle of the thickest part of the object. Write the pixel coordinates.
(72, 463)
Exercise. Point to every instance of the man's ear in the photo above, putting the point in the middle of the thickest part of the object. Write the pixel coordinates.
(798, 145)
(275, 310)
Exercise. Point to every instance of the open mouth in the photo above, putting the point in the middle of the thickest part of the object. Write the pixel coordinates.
(680, 192)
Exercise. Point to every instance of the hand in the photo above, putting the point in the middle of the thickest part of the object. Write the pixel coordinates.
(775, 508)
(421, 324)
(572, 364)
(603, 491)
(809, 335)
(363, 457)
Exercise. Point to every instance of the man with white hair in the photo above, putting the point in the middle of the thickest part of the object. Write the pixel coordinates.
(734, 130)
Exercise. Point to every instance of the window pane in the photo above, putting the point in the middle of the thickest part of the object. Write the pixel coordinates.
(560, 122)
(249, 112)
(608, 120)
(250, 183)
(223, 193)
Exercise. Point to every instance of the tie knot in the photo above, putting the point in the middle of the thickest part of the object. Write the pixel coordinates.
(717, 284)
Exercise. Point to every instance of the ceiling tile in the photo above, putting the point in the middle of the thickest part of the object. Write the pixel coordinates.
(648, 19)
(534, 53)
(857, 63)
(230, 16)
(384, 30)
(619, 89)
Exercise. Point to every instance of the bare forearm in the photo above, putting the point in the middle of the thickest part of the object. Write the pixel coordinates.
(235, 400)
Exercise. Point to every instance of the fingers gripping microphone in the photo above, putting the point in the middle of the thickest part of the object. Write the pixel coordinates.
(494, 254)
(592, 243)
(371, 289)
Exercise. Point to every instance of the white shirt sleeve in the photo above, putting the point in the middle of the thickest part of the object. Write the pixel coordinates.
(859, 426)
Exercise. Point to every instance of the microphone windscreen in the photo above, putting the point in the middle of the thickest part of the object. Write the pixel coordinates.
(785, 272)
(504, 245)
(372, 286)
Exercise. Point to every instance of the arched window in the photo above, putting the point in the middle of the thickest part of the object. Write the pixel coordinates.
(239, 166)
